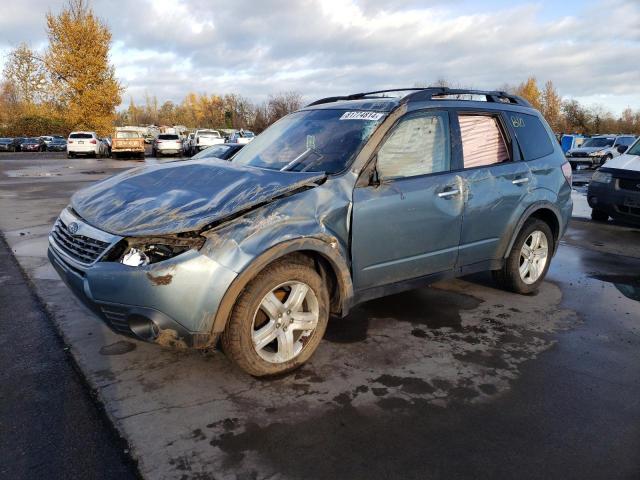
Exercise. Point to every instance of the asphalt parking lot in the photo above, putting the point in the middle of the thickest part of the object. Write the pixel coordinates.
(456, 380)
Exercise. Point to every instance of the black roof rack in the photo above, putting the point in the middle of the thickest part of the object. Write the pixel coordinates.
(421, 94)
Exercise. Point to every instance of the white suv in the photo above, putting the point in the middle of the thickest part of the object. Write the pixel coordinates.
(83, 143)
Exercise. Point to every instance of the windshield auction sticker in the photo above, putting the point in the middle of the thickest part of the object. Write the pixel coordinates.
(361, 116)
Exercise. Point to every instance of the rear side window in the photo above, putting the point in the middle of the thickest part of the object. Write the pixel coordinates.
(168, 136)
(531, 134)
(419, 145)
(482, 141)
(80, 135)
(209, 133)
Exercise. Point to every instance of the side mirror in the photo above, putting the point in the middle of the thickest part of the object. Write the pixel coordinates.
(622, 148)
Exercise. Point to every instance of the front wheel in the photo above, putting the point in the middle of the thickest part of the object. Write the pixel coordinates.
(278, 320)
(527, 264)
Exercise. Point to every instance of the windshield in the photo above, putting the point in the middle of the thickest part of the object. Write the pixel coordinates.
(311, 141)
(5, 140)
(598, 142)
(217, 151)
(127, 134)
(635, 149)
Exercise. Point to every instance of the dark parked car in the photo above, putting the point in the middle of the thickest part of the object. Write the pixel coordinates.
(17, 143)
(7, 145)
(34, 144)
(348, 199)
(614, 190)
(57, 145)
(223, 152)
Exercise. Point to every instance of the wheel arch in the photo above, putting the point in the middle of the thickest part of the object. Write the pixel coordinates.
(545, 211)
(323, 256)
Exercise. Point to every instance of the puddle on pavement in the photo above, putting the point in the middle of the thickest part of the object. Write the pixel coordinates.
(430, 308)
(629, 286)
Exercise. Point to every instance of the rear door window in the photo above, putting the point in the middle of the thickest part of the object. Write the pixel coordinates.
(483, 141)
(532, 137)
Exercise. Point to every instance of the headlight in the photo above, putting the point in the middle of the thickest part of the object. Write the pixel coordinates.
(568, 154)
(601, 177)
(137, 252)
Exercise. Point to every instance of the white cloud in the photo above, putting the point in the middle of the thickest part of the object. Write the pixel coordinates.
(326, 47)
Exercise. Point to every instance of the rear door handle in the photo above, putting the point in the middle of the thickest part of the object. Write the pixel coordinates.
(449, 193)
(520, 181)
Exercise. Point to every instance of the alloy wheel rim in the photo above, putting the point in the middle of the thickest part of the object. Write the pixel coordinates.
(284, 321)
(533, 257)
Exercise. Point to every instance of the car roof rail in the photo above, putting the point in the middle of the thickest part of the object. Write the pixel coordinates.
(437, 93)
(359, 96)
(421, 94)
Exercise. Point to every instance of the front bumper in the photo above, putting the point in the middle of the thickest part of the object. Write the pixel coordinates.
(172, 303)
(618, 203)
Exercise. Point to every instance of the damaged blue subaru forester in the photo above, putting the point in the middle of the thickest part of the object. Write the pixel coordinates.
(348, 199)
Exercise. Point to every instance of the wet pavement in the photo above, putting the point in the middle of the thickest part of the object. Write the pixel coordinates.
(459, 380)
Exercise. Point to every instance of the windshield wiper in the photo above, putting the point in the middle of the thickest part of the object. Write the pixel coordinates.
(300, 158)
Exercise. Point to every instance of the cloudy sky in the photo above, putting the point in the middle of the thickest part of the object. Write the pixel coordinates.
(589, 48)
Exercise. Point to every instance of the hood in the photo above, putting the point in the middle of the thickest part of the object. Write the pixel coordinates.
(587, 149)
(181, 196)
(624, 162)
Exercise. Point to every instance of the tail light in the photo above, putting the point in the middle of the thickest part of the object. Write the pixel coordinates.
(70, 141)
(93, 141)
(180, 142)
(566, 171)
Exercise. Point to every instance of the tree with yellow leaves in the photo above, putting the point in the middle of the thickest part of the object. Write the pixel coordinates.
(78, 61)
(529, 91)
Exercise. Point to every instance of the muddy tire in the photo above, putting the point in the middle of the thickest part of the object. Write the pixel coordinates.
(278, 320)
(528, 263)
(599, 215)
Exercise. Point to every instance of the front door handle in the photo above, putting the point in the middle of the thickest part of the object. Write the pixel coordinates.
(520, 181)
(449, 193)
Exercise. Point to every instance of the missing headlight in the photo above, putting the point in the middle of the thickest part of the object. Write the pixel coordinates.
(137, 251)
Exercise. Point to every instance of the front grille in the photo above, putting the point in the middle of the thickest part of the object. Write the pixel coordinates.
(117, 318)
(629, 210)
(579, 154)
(628, 184)
(79, 247)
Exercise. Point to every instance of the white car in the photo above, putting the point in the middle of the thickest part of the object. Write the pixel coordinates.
(205, 138)
(598, 150)
(167, 144)
(241, 136)
(84, 143)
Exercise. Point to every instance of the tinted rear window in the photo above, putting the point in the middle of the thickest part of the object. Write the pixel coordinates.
(80, 135)
(167, 136)
(531, 134)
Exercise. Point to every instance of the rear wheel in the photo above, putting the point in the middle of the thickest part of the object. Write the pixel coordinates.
(278, 320)
(527, 264)
(599, 215)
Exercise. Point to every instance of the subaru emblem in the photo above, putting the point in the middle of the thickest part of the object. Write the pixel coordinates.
(73, 228)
